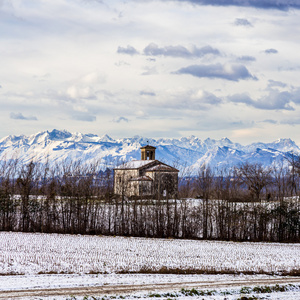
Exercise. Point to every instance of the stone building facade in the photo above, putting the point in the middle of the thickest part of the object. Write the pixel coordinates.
(147, 177)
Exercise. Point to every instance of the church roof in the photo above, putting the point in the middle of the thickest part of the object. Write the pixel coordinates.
(148, 147)
(147, 165)
(161, 167)
(135, 164)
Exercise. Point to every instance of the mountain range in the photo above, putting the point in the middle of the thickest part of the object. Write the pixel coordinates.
(184, 153)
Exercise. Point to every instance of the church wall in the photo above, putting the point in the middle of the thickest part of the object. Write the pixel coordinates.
(122, 184)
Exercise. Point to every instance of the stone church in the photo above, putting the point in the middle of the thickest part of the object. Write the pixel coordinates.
(147, 177)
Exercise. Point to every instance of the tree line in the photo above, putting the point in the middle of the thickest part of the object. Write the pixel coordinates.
(245, 203)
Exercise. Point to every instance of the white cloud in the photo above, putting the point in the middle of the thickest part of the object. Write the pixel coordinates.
(242, 22)
(115, 60)
(80, 92)
(20, 116)
(227, 72)
(120, 119)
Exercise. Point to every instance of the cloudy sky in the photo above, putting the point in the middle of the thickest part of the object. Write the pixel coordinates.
(156, 68)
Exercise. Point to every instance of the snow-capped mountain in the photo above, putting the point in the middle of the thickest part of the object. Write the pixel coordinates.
(57, 146)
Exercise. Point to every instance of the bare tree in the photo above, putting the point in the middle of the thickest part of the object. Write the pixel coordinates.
(8, 203)
(204, 185)
(27, 182)
(294, 162)
(255, 177)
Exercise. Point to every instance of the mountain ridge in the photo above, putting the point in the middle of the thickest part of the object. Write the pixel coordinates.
(192, 152)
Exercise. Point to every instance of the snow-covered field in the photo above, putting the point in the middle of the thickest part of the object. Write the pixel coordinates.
(37, 253)
(41, 259)
(233, 290)
(44, 281)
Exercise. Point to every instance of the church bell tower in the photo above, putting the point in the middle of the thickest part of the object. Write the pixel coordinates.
(148, 153)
